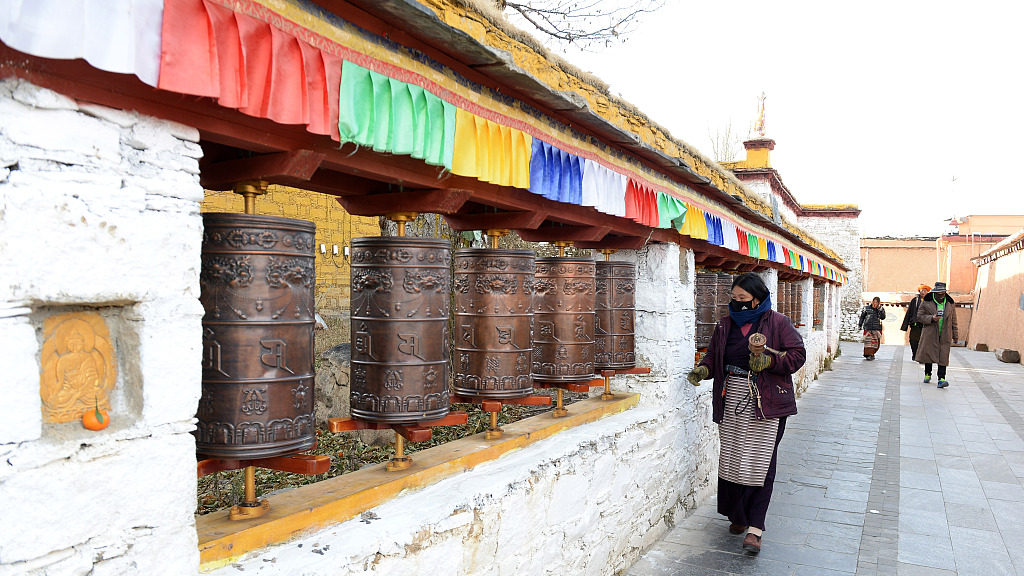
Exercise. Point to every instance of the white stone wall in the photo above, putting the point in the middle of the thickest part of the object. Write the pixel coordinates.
(771, 280)
(843, 236)
(587, 501)
(99, 211)
(762, 186)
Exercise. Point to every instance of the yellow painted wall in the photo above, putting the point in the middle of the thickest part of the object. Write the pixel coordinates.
(334, 227)
(991, 224)
(999, 305)
(897, 265)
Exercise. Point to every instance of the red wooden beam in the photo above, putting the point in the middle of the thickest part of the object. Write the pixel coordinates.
(569, 233)
(615, 243)
(711, 261)
(438, 201)
(293, 165)
(496, 220)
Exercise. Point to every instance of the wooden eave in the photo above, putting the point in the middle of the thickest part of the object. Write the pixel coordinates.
(289, 155)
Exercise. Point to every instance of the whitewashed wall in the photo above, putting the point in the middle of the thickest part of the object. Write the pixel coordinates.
(99, 211)
(843, 236)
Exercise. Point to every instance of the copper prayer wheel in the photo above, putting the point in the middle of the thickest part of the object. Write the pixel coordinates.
(786, 289)
(615, 315)
(256, 287)
(797, 302)
(706, 304)
(493, 322)
(399, 312)
(563, 341)
(724, 296)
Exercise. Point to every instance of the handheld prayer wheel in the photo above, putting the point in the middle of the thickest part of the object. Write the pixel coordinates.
(399, 312)
(493, 322)
(256, 287)
(615, 315)
(563, 342)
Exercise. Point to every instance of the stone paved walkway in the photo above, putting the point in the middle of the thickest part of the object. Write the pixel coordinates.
(880, 473)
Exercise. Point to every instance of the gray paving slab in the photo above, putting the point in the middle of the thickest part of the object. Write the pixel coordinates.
(882, 474)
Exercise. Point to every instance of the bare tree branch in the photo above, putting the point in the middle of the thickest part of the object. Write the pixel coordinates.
(581, 23)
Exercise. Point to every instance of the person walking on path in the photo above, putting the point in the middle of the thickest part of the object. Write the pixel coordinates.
(871, 321)
(910, 319)
(752, 396)
(937, 315)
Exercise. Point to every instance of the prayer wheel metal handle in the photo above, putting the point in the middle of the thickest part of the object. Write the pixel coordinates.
(757, 346)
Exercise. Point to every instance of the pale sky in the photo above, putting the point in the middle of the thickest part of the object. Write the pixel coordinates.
(878, 104)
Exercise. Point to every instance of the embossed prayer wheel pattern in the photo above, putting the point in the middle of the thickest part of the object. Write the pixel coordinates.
(706, 300)
(563, 340)
(724, 295)
(399, 311)
(797, 302)
(257, 280)
(493, 322)
(782, 299)
(615, 315)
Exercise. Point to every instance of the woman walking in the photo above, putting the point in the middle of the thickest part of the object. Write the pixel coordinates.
(937, 315)
(752, 397)
(871, 321)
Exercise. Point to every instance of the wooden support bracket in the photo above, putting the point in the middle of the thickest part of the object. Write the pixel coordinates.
(571, 233)
(437, 201)
(614, 243)
(294, 463)
(496, 220)
(578, 387)
(280, 167)
(415, 429)
(494, 405)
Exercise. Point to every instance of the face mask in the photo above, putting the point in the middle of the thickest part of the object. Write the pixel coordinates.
(738, 306)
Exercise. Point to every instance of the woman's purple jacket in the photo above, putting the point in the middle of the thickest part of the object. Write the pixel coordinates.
(774, 384)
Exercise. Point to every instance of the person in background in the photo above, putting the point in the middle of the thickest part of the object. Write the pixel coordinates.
(871, 321)
(937, 315)
(751, 399)
(910, 319)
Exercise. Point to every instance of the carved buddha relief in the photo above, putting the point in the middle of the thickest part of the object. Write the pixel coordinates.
(78, 368)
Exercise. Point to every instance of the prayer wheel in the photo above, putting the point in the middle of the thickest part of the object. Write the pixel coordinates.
(493, 322)
(706, 300)
(563, 342)
(399, 311)
(724, 295)
(782, 299)
(797, 302)
(615, 315)
(256, 287)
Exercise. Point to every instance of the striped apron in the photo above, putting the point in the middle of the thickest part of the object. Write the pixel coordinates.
(746, 444)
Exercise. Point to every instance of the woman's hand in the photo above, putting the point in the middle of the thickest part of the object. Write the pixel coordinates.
(759, 362)
(697, 374)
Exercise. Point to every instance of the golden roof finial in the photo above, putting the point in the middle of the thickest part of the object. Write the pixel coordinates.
(759, 125)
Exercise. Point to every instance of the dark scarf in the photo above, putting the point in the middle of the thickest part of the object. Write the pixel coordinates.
(748, 316)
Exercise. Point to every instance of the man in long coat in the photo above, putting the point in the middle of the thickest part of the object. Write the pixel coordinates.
(937, 315)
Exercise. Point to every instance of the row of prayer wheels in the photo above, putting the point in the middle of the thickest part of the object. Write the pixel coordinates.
(518, 320)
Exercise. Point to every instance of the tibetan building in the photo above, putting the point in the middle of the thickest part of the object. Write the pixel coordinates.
(120, 294)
